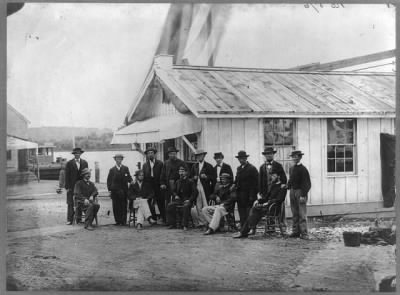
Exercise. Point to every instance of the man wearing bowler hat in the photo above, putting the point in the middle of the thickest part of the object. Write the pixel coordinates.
(299, 185)
(118, 180)
(246, 184)
(170, 174)
(220, 166)
(152, 172)
(73, 170)
(204, 176)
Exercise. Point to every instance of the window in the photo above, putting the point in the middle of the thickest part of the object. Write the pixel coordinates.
(9, 157)
(341, 145)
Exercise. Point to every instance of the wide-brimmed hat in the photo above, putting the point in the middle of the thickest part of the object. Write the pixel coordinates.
(118, 156)
(218, 155)
(137, 172)
(269, 150)
(172, 149)
(296, 153)
(85, 171)
(242, 154)
(77, 151)
(225, 175)
(150, 149)
(200, 152)
(183, 168)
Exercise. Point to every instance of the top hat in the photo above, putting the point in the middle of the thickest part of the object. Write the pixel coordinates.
(150, 149)
(269, 150)
(218, 155)
(200, 152)
(172, 149)
(77, 151)
(296, 152)
(242, 154)
(85, 171)
(118, 156)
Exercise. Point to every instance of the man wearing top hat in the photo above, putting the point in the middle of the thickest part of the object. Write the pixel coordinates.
(73, 170)
(118, 181)
(170, 174)
(86, 198)
(152, 172)
(221, 167)
(246, 184)
(299, 184)
(204, 176)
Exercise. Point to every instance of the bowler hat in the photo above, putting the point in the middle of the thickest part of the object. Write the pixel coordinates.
(150, 149)
(85, 171)
(200, 152)
(269, 150)
(242, 154)
(77, 151)
(119, 156)
(218, 155)
(172, 149)
(296, 152)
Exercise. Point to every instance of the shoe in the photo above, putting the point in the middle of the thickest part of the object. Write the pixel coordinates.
(185, 228)
(208, 232)
(139, 226)
(171, 227)
(89, 227)
(294, 235)
(252, 232)
(239, 236)
(151, 221)
(117, 223)
(69, 223)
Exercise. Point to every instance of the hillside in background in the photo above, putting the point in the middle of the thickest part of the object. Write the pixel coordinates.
(86, 138)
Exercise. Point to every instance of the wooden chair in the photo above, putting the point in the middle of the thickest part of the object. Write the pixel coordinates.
(83, 212)
(273, 219)
(132, 213)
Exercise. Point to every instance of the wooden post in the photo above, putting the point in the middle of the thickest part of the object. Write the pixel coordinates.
(96, 172)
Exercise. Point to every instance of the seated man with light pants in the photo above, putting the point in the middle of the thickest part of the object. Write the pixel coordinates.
(225, 198)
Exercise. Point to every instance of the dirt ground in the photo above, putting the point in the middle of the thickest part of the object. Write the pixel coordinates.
(44, 254)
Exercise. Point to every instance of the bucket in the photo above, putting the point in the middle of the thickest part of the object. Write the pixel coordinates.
(351, 239)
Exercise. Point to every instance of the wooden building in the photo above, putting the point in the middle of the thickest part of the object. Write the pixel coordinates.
(336, 118)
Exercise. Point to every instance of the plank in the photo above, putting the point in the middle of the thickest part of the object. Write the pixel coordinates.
(227, 145)
(387, 126)
(340, 189)
(211, 140)
(362, 159)
(351, 189)
(317, 157)
(252, 146)
(374, 163)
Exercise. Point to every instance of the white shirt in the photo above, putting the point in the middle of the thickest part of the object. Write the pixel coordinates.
(201, 164)
(151, 167)
(219, 171)
(78, 163)
(118, 167)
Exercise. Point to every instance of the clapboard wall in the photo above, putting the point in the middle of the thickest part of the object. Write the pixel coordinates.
(231, 135)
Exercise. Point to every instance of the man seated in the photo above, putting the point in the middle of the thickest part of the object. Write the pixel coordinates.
(276, 196)
(140, 195)
(85, 193)
(185, 194)
(225, 198)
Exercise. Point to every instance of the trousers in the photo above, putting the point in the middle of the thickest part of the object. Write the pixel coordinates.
(91, 212)
(214, 215)
(143, 211)
(255, 216)
(299, 212)
(119, 204)
(70, 205)
(171, 212)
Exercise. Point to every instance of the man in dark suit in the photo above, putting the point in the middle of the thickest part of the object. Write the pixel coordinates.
(246, 184)
(118, 180)
(204, 177)
(185, 193)
(221, 167)
(152, 172)
(73, 170)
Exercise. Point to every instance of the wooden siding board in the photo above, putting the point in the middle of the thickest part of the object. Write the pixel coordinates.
(351, 189)
(316, 160)
(340, 189)
(373, 159)
(252, 140)
(213, 136)
(304, 142)
(362, 159)
(238, 135)
(228, 141)
(387, 126)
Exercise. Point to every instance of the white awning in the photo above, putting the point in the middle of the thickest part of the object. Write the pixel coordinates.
(157, 128)
(14, 143)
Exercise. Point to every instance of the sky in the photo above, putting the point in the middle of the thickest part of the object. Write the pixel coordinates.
(81, 65)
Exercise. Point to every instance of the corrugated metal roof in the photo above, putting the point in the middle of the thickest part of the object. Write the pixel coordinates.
(228, 91)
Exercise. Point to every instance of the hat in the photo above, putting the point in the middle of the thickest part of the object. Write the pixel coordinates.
(296, 152)
(137, 172)
(225, 175)
(182, 168)
(269, 150)
(118, 156)
(77, 151)
(200, 152)
(172, 149)
(150, 149)
(242, 154)
(85, 171)
(218, 155)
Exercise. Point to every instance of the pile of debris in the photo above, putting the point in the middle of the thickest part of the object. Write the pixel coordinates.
(380, 236)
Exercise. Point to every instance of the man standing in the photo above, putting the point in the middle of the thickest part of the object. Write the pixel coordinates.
(117, 184)
(246, 186)
(73, 170)
(221, 167)
(185, 193)
(299, 185)
(169, 174)
(152, 172)
(86, 197)
(204, 176)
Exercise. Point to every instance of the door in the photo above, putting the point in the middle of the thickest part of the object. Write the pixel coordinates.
(22, 160)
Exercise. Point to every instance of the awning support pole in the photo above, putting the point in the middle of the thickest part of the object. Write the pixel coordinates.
(37, 163)
(188, 143)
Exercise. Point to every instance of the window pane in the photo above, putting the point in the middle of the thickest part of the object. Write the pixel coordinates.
(340, 151)
(268, 126)
(331, 132)
(339, 124)
(340, 137)
(331, 165)
(339, 165)
(331, 151)
(268, 138)
(349, 124)
(349, 152)
(349, 165)
(349, 137)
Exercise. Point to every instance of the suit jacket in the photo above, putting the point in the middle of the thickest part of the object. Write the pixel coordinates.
(277, 194)
(225, 168)
(73, 174)
(118, 180)
(157, 169)
(169, 172)
(263, 181)
(247, 182)
(84, 190)
(227, 197)
(146, 191)
(208, 183)
(186, 189)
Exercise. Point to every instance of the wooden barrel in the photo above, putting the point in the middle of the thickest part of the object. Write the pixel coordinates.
(352, 239)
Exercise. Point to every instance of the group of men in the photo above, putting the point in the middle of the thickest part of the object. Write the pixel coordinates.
(202, 194)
